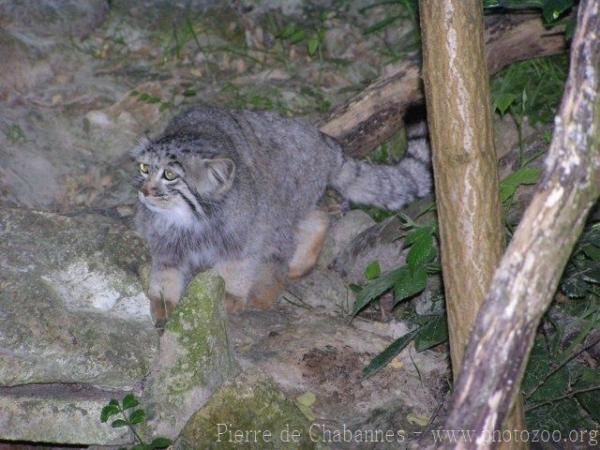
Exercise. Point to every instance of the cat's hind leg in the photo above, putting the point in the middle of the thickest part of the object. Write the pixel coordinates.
(269, 282)
(310, 236)
(252, 283)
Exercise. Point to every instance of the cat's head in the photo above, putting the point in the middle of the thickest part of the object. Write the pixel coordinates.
(181, 177)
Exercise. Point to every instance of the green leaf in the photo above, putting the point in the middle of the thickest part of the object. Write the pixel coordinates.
(373, 270)
(189, 93)
(313, 45)
(297, 37)
(504, 101)
(421, 251)
(148, 98)
(160, 442)
(409, 283)
(434, 332)
(592, 252)
(589, 378)
(119, 423)
(390, 352)
(570, 28)
(509, 185)
(108, 411)
(141, 446)
(138, 416)
(417, 234)
(287, 31)
(376, 287)
(541, 375)
(129, 401)
(553, 9)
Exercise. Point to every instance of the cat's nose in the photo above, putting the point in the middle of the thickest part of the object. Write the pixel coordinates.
(147, 190)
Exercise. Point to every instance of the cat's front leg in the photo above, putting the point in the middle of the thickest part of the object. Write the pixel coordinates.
(165, 288)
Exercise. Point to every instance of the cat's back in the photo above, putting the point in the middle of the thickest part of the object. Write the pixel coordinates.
(261, 138)
(288, 160)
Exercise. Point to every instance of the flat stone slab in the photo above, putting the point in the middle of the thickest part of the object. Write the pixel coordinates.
(58, 413)
(75, 326)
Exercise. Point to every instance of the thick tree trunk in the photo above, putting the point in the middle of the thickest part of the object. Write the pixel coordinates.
(375, 114)
(527, 278)
(464, 162)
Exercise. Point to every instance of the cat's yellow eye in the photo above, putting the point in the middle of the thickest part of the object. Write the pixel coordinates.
(144, 168)
(169, 175)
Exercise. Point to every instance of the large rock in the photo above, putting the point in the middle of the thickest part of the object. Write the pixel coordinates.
(308, 354)
(195, 356)
(75, 327)
(248, 413)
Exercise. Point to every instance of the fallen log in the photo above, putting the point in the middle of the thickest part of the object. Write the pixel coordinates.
(376, 113)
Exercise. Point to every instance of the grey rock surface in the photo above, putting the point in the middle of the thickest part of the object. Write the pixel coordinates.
(324, 356)
(72, 309)
(341, 233)
(380, 242)
(68, 414)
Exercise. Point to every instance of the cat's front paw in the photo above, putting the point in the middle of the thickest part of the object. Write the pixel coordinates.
(161, 310)
(165, 290)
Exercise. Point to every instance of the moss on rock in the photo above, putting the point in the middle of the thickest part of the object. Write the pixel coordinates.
(195, 356)
(248, 413)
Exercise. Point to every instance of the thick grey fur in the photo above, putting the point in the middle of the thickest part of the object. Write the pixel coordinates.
(282, 168)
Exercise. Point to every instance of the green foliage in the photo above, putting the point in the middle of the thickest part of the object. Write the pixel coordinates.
(406, 10)
(150, 99)
(131, 419)
(530, 88)
(396, 13)
(432, 332)
(552, 10)
(561, 393)
(373, 270)
(582, 274)
(408, 280)
(310, 34)
(382, 359)
(510, 184)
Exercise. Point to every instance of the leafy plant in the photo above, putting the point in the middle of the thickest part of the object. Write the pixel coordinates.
(310, 33)
(131, 420)
(582, 275)
(408, 280)
(510, 184)
(561, 393)
(552, 10)
(530, 89)
(405, 282)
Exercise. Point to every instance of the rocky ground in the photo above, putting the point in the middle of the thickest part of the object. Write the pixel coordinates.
(79, 83)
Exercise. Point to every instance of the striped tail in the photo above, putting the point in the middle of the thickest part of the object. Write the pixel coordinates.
(388, 187)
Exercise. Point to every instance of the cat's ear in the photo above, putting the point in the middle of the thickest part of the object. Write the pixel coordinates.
(222, 173)
(213, 176)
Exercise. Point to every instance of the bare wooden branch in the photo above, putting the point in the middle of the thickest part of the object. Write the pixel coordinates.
(528, 275)
(375, 114)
